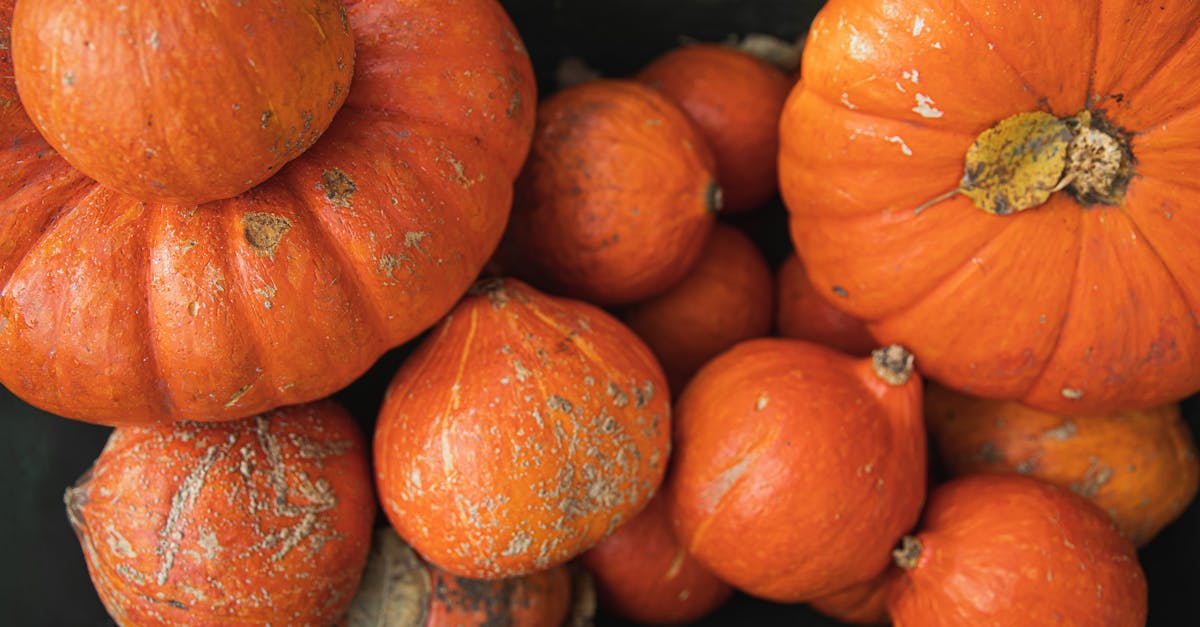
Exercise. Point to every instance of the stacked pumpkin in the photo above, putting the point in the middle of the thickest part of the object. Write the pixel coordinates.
(627, 389)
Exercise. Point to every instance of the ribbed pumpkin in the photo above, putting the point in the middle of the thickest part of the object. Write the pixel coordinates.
(724, 299)
(265, 520)
(116, 310)
(1012, 550)
(1007, 190)
(1141, 467)
(523, 430)
(804, 313)
(797, 468)
(617, 198)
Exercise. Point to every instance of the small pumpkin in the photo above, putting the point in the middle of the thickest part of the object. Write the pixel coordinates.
(797, 468)
(116, 311)
(939, 170)
(617, 198)
(523, 430)
(255, 521)
(1141, 467)
(642, 573)
(860, 604)
(724, 299)
(401, 590)
(803, 313)
(1012, 550)
(735, 99)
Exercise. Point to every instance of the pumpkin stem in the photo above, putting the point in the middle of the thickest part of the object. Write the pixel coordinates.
(907, 554)
(784, 55)
(893, 364)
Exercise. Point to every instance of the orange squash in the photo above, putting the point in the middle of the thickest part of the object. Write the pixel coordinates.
(1139, 466)
(118, 310)
(1012, 550)
(804, 314)
(797, 468)
(401, 590)
(724, 299)
(521, 432)
(249, 522)
(1005, 189)
(642, 573)
(617, 198)
(735, 100)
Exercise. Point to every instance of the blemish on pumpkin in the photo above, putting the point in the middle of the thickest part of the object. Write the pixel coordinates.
(413, 239)
(265, 119)
(1093, 480)
(193, 308)
(338, 187)
(1072, 393)
(181, 504)
(761, 402)
(264, 231)
(840, 291)
(238, 395)
(643, 395)
(1065, 431)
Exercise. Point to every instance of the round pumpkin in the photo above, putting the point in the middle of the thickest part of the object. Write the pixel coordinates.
(264, 77)
(804, 313)
(400, 590)
(617, 198)
(523, 430)
(735, 99)
(1141, 467)
(117, 311)
(248, 522)
(1007, 192)
(797, 468)
(1012, 550)
(724, 299)
(642, 573)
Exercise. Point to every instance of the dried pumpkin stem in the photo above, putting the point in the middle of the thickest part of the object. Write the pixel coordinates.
(907, 554)
(893, 364)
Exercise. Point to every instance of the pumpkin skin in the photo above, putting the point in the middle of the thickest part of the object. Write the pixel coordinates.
(1012, 550)
(617, 198)
(261, 520)
(894, 94)
(401, 590)
(861, 604)
(735, 99)
(804, 314)
(291, 290)
(139, 113)
(642, 573)
(797, 468)
(725, 298)
(521, 432)
(1140, 467)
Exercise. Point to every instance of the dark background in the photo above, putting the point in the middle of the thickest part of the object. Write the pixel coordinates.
(44, 581)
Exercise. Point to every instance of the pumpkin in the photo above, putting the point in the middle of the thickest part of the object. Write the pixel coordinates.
(264, 520)
(617, 197)
(1012, 550)
(797, 468)
(523, 430)
(735, 99)
(724, 299)
(142, 120)
(642, 573)
(118, 311)
(1023, 226)
(401, 590)
(861, 604)
(1139, 466)
(804, 313)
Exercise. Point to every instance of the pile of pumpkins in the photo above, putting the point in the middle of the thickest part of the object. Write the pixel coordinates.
(216, 215)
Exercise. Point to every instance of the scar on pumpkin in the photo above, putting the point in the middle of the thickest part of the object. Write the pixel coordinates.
(338, 187)
(264, 231)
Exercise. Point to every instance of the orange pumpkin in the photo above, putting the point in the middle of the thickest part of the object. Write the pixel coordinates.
(643, 574)
(617, 198)
(797, 468)
(801, 312)
(735, 100)
(1140, 466)
(861, 604)
(521, 432)
(401, 590)
(1022, 224)
(116, 311)
(1012, 550)
(726, 298)
(250, 522)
